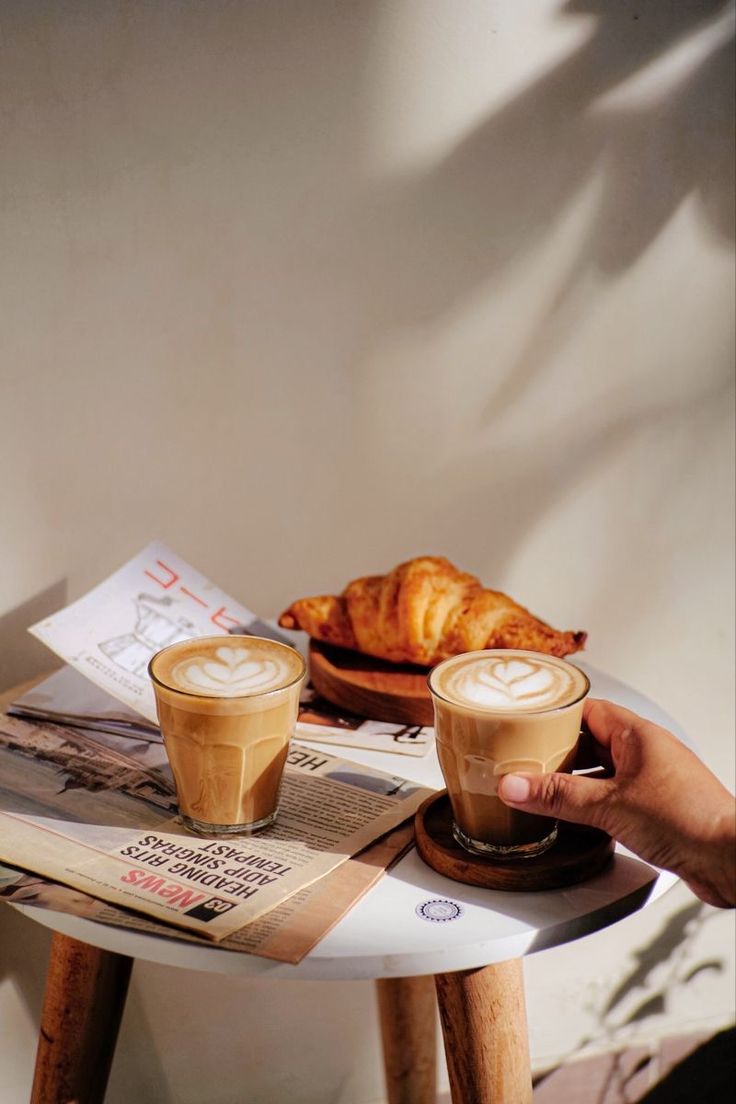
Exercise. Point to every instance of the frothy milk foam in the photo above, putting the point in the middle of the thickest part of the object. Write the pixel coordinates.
(227, 707)
(228, 670)
(497, 712)
(520, 683)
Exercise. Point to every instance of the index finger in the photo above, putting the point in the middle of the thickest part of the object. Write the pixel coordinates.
(605, 719)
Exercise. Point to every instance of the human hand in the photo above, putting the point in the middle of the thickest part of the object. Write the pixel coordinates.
(659, 800)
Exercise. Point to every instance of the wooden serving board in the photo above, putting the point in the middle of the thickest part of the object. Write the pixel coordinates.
(371, 687)
(577, 854)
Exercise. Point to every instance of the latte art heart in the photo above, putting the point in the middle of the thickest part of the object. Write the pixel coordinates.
(231, 671)
(508, 671)
(523, 683)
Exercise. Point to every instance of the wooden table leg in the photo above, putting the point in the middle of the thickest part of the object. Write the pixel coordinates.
(408, 1012)
(83, 1006)
(483, 1017)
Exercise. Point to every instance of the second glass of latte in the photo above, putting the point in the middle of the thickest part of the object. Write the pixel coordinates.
(227, 707)
(498, 712)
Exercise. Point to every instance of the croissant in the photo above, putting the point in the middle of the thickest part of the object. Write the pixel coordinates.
(421, 612)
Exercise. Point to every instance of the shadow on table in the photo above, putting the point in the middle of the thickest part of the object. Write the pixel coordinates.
(555, 910)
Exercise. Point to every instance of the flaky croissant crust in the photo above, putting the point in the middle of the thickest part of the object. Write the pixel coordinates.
(422, 612)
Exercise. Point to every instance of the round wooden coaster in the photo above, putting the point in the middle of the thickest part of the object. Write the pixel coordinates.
(577, 854)
(371, 687)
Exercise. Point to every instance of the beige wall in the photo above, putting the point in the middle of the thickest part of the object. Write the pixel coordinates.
(304, 289)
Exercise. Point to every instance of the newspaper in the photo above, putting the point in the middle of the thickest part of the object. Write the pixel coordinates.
(111, 829)
(110, 634)
(287, 933)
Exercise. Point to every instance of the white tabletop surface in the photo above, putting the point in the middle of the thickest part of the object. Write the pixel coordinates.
(414, 921)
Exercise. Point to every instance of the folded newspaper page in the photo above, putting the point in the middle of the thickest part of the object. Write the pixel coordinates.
(287, 933)
(111, 633)
(111, 831)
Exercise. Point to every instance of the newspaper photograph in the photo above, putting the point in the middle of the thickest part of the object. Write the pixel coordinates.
(103, 820)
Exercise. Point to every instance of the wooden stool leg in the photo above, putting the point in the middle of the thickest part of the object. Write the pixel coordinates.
(408, 1012)
(483, 1018)
(83, 1006)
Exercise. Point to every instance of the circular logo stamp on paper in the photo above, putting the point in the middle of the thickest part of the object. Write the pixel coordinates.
(439, 910)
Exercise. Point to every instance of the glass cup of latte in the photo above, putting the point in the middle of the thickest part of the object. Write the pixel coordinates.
(498, 712)
(227, 707)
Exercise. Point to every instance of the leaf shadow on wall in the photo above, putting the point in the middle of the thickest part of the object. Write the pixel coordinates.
(197, 182)
(500, 189)
(429, 241)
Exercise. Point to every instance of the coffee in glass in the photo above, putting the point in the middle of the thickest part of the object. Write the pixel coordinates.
(227, 707)
(497, 712)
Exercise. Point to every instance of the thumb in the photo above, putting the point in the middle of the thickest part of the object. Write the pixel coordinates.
(569, 797)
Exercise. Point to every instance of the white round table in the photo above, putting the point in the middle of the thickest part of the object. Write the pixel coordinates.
(414, 932)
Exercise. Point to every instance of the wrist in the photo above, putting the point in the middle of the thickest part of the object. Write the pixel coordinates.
(726, 845)
(712, 874)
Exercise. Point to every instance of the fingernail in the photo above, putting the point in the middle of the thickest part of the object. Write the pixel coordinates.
(515, 788)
